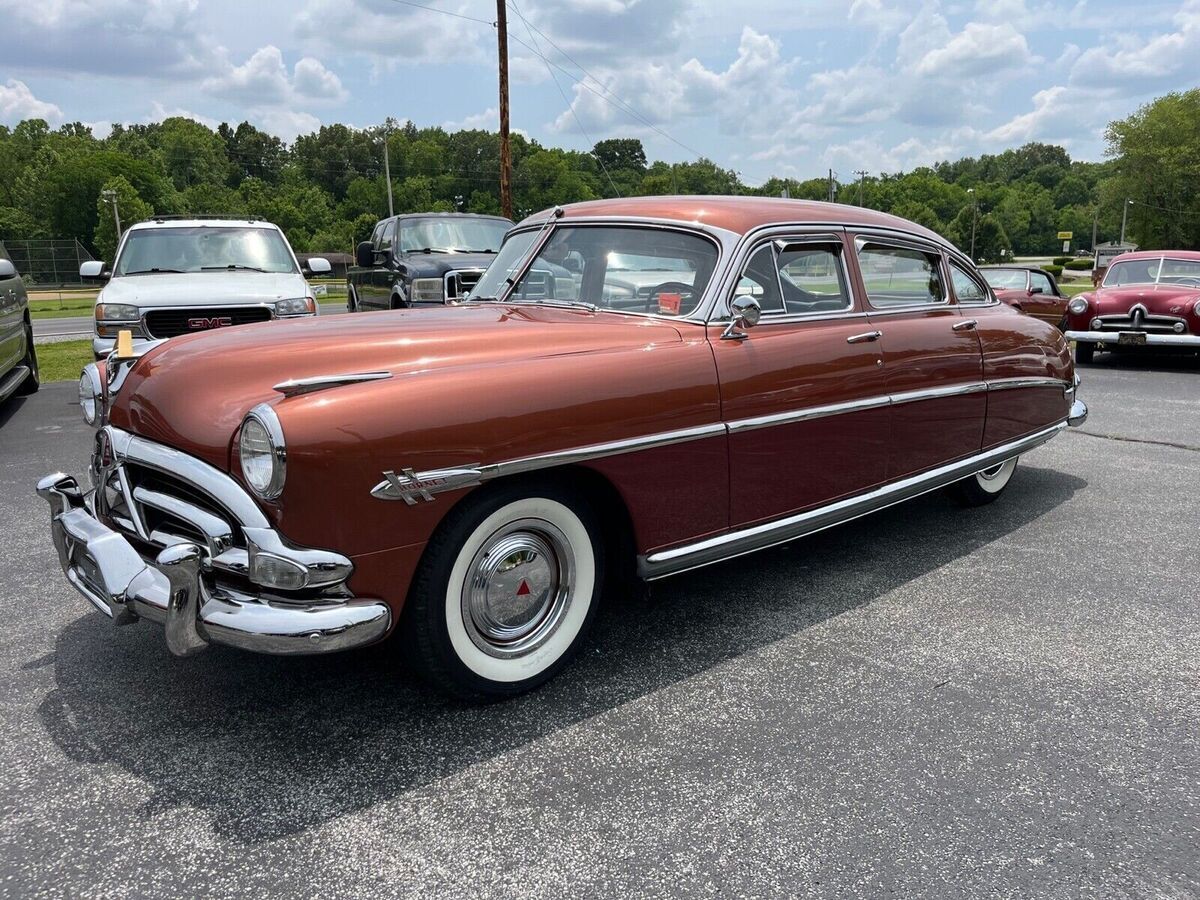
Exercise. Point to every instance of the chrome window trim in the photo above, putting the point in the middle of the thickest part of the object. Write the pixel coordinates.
(980, 282)
(790, 237)
(758, 537)
(864, 238)
(724, 240)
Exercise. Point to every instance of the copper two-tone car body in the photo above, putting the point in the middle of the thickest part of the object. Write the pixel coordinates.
(1147, 298)
(470, 472)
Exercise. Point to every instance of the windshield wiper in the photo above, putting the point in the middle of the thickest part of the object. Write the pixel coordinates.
(154, 271)
(233, 267)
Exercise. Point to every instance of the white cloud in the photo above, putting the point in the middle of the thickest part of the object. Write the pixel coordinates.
(17, 102)
(264, 80)
(158, 112)
(286, 123)
(978, 49)
(1159, 60)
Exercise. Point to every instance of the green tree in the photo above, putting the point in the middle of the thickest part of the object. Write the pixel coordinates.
(192, 153)
(131, 207)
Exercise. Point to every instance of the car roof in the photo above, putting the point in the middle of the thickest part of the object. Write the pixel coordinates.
(740, 214)
(1014, 266)
(1190, 255)
(202, 223)
(451, 215)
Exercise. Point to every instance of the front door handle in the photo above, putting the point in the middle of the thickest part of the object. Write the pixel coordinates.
(864, 337)
(964, 325)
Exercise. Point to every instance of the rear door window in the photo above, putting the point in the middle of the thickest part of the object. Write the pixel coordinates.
(896, 276)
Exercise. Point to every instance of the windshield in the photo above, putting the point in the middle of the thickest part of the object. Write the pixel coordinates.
(1162, 270)
(204, 248)
(1005, 279)
(452, 235)
(627, 269)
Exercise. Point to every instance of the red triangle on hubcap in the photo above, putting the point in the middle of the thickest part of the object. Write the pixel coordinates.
(523, 590)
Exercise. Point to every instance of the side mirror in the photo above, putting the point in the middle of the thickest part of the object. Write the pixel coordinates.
(1037, 290)
(745, 312)
(92, 270)
(364, 255)
(7, 269)
(319, 265)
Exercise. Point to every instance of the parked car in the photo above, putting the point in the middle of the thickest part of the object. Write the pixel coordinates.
(175, 276)
(429, 259)
(18, 356)
(469, 476)
(1029, 289)
(1147, 298)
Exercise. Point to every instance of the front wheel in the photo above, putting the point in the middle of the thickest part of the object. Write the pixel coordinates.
(505, 592)
(33, 380)
(985, 486)
(1084, 351)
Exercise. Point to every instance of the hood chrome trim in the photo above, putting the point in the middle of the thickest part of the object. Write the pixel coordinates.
(295, 386)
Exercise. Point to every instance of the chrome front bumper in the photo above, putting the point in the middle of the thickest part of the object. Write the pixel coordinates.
(1114, 337)
(173, 590)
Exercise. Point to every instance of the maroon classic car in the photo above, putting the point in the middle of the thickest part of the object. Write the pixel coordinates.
(1029, 289)
(1151, 297)
(757, 370)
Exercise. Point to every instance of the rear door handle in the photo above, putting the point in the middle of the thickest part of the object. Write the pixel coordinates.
(864, 337)
(964, 325)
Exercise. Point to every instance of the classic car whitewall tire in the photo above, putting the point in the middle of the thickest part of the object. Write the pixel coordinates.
(984, 487)
(505, 593)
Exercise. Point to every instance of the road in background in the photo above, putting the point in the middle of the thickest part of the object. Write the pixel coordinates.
(991, 702)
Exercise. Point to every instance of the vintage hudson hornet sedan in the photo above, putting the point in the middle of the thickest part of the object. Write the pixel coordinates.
(1152, 297)
(755, 370)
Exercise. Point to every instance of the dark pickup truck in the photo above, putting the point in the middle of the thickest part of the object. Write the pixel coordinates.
(423, 259)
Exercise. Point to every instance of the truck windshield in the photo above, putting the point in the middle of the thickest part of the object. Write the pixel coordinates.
(452, 235)
(186, 248)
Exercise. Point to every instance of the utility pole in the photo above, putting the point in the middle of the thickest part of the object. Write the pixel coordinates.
(862, 175)
(974, 217)
(505, 149)
(1124, 213)
(387, 173)
(111, 197)
(831, 192)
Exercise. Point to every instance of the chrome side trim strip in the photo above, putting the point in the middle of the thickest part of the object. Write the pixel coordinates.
(410, 485)
(953, 390)
(294, 386)
(769, 534)
(812, 412)
(1005, 384)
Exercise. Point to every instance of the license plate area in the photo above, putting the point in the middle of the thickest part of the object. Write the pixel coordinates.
(1132, 339)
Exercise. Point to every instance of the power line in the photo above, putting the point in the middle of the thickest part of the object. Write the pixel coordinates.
(563, 94)
(445, 12)
(1183, 212)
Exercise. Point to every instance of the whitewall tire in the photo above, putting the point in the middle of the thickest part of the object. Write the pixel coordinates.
(505, 592)
(986, 485)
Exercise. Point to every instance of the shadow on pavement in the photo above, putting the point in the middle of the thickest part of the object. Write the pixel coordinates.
(1146, 359)
(270, 746)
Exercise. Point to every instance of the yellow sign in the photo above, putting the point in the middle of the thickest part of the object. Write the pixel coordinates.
(1065, 235)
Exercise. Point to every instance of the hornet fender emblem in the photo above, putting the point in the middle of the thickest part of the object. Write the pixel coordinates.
(411, 486)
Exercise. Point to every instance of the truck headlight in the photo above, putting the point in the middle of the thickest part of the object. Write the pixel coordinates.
(1078, 305)
(91, 394)
(428, 290)
(296, 306)
(117, 312)
(262, 452)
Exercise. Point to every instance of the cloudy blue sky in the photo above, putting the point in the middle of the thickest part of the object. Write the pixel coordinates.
(787, 87)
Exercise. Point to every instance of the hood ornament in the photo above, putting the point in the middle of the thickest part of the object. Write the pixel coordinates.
(294, 386)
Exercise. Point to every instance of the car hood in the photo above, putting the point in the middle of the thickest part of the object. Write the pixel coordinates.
(1160, 299)
(203, 288)
(431, 265)
(192, 392)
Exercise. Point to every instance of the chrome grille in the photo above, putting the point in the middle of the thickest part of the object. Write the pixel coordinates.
(461, 282)
(1152, 324)
(536, 285)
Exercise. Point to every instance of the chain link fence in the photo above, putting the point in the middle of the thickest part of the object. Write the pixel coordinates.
(48, 263)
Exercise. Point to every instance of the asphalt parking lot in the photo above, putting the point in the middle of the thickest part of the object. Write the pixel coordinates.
(1000, 701)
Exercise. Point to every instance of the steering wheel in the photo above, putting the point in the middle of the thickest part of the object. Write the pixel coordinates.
(667, 287)
(1187, 279)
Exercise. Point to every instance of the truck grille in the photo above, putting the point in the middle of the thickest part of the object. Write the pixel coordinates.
(461, 282)
(166, 323)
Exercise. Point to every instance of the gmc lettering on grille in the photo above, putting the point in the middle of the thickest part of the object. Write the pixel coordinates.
(214, 322)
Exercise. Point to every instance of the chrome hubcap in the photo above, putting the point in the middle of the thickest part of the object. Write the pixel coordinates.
(518, 587)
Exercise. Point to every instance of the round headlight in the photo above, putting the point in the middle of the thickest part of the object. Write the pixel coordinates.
(261, 452)
(91, 394)
(1078, 305)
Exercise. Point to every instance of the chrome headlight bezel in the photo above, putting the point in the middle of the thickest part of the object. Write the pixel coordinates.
(91, 395)
(262, 427)
(295, 306)
(1078, 305)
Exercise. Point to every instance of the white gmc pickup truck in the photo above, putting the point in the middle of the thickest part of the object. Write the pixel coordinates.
(175, 276)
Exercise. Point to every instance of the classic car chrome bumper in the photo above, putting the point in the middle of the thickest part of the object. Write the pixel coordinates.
(1142, 337)
(173, 591)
